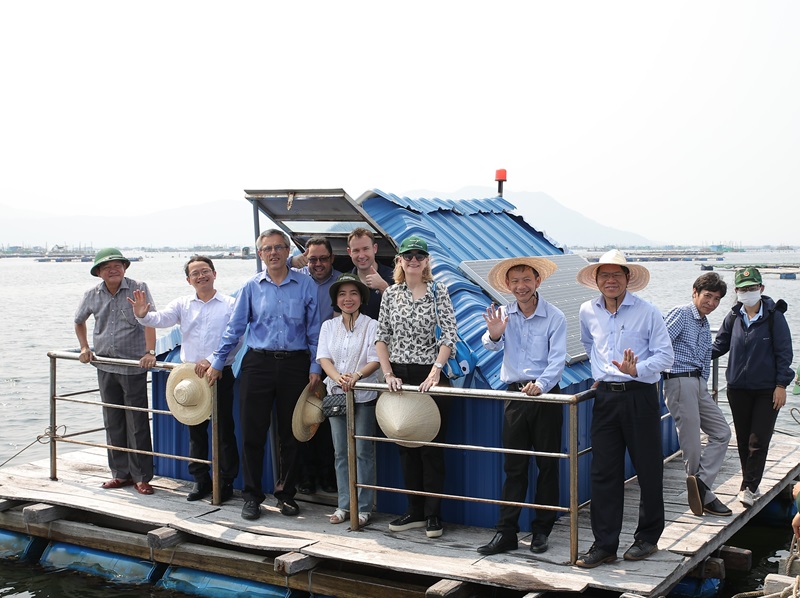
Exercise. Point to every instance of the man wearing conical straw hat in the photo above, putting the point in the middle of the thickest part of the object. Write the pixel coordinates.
(628, 346)
(532, 334)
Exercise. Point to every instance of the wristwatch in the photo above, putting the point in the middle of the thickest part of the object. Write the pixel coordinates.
(151, 352)
(438, 365)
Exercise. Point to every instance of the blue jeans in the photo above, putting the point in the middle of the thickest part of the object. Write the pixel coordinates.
(365, 456)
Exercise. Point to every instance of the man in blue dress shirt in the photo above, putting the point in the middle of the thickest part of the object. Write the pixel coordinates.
(686, 393)
(532, 334)
(628, 346)
(280, 307)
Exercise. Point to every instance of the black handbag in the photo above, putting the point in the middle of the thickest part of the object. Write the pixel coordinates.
(334, 405)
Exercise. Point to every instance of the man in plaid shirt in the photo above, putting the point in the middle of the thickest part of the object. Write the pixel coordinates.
(687, 397)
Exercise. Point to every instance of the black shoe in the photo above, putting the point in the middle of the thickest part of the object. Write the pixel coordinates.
(407, 521)
(226, 492)
(330, 488)
(251, 510)
(640, 550)
(501, 542)
(539, 543)
(433, 527)
(288, 507)
(695, 489)
(716, 507)
(596, 556)
(307, 486)
(200, 490)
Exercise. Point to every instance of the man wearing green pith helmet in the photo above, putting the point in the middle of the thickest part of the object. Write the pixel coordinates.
(117, 334)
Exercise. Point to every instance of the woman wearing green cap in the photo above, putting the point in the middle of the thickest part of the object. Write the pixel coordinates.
(346, 352)
(410, 353)
(759, 370)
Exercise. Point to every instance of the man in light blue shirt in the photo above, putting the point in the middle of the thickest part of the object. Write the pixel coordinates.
(203, 317)
(532, 334)
(629, 346)
(280, 307)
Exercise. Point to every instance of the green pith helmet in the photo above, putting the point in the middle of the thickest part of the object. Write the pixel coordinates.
(109, 254)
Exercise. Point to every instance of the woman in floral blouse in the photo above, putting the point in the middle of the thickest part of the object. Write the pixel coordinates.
(410, 354)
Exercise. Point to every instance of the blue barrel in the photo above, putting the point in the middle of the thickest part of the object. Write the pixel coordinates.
(108, 565)
(213, 585)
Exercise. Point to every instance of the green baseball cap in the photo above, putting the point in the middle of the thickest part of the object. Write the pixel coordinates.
(747, 277)
(109, 254)
(413, 243)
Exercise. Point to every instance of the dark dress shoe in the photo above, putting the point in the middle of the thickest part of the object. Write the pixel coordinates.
(695, 489)
(288, 507)
(501, 542)
(640, 550)
(251, 510)
(200, 490)
(717, 507)
(596, 556)
(226, 492)
(539, 543)
(307, 486)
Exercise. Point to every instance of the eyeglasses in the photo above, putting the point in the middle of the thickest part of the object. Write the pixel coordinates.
(413, 256)
(610, 275)
(199, 273)
(271, 248)
(751, 288)
(322, 259)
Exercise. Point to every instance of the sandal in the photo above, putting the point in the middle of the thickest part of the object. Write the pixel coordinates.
(338, 516)
(363, 519)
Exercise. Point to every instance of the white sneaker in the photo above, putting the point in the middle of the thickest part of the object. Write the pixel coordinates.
(748, 498)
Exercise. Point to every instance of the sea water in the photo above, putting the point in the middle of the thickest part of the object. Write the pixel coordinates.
(39, 303)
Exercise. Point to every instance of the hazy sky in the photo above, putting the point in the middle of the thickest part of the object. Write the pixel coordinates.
(678, 120)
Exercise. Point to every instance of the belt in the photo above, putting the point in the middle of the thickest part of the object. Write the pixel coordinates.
(668, 375)
(280, 354)
(518, 386)
(622, 386)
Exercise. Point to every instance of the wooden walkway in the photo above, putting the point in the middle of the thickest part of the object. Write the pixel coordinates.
(309, 553)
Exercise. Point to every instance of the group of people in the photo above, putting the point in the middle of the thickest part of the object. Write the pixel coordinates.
(305, 320)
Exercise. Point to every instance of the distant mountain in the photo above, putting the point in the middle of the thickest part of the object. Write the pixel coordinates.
(229, 223)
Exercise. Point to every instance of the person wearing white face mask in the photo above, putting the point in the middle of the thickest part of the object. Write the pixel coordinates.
(759, 370)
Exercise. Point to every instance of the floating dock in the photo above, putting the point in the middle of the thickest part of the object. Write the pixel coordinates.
(308, 553)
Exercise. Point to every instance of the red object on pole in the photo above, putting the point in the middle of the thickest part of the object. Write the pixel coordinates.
(500, 177)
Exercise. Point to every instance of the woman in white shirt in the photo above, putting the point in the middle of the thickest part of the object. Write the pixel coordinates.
(347, 354)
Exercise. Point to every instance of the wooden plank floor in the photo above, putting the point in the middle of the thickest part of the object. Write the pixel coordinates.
(686, 541)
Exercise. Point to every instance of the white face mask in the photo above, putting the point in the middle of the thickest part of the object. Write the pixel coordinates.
(750, 298)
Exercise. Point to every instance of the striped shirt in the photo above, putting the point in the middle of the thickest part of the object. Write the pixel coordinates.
(691, 340)
(116, 332)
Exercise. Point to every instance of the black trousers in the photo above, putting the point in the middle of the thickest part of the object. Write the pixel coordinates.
(526, 425)
(198, 436)
(423, 467)
(265, 382)
(630, 419)
(754, 421)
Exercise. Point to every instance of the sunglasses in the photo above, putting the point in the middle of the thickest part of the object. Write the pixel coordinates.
(413, 256)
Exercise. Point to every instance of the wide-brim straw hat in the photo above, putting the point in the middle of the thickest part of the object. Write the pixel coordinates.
(639, 275)
(188, 396)
(407, 416)
(497, 275)
(307, 414)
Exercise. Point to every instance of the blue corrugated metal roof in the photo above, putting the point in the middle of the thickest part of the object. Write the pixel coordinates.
(467, 229)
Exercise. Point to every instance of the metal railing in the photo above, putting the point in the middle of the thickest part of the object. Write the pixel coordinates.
(54, 437)
(572, 454)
